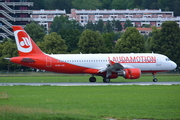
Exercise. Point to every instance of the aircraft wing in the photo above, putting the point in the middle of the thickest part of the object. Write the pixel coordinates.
(113, 67)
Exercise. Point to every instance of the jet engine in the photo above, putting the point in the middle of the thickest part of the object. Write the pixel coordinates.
(133, 73)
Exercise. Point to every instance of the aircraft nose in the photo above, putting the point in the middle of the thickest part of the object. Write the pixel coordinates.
(173, 65)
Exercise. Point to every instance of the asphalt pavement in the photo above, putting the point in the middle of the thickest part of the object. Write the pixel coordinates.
(90, 84)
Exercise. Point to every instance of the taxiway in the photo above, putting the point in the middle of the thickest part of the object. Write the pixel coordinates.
(89, 84)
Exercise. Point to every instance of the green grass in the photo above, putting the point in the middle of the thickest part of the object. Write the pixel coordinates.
(90, 102)
(27, 78)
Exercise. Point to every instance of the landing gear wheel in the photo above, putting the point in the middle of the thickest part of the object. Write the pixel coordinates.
(106, 80)
(92, 79)
(154, 77)
(155, 80)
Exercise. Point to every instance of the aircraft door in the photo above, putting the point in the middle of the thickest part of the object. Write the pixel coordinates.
(158, 61)
(48, 61)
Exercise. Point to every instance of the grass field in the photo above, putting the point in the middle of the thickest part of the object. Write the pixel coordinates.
(88, 102)
(51, 77)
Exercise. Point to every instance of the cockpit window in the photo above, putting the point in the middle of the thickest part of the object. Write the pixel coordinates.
(167, 59)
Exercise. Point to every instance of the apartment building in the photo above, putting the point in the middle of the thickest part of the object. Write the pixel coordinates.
(14, 12)
(45, 17)
(138, 17)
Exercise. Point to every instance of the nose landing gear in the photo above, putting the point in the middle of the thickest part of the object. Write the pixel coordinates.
(154, 77)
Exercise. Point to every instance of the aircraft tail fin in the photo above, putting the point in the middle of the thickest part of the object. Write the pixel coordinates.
(26, 46)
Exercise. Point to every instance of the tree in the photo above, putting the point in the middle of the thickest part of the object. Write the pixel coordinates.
(116, 25)
(106, 4)
(155, 5)
(63, 4)
(38, 4)
(118, 4)
(71, 37)
(146, 3)
(90, 26)
(167, 3)
(86, 4)
(176, 9)
(8, 49)
(99, 25)
(167, 41)
(109, 41)
(147, 45)
(108, 27)
(155, 44)
(62, 22)
(57, 23)
(131, 42)
(53, 43)
(91, 42)
(128, 24)
(137, 3)
(58, 4)
(36, 32)
(74, 25)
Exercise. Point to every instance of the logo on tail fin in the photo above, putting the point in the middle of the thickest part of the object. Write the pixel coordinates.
(23, 41)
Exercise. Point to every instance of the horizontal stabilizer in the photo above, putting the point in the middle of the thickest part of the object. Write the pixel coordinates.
(27, 60)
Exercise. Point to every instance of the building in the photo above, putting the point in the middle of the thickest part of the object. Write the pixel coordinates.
(138, 17)
(45, 17)
(13, 12)
(145, 31)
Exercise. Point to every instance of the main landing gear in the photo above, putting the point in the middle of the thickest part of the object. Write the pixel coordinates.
(154, 77)
(105, 80)
(92, 79)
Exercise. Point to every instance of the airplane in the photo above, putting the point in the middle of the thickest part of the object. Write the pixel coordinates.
(109, 66)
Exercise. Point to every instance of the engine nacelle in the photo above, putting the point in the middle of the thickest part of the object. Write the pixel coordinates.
(133, 73)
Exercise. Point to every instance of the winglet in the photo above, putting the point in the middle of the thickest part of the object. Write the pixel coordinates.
(111, 62)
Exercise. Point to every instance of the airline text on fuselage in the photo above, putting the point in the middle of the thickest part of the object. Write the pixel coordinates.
(133, 59)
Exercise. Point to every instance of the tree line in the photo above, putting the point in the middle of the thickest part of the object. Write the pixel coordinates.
(69, 37)
(165, 5)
